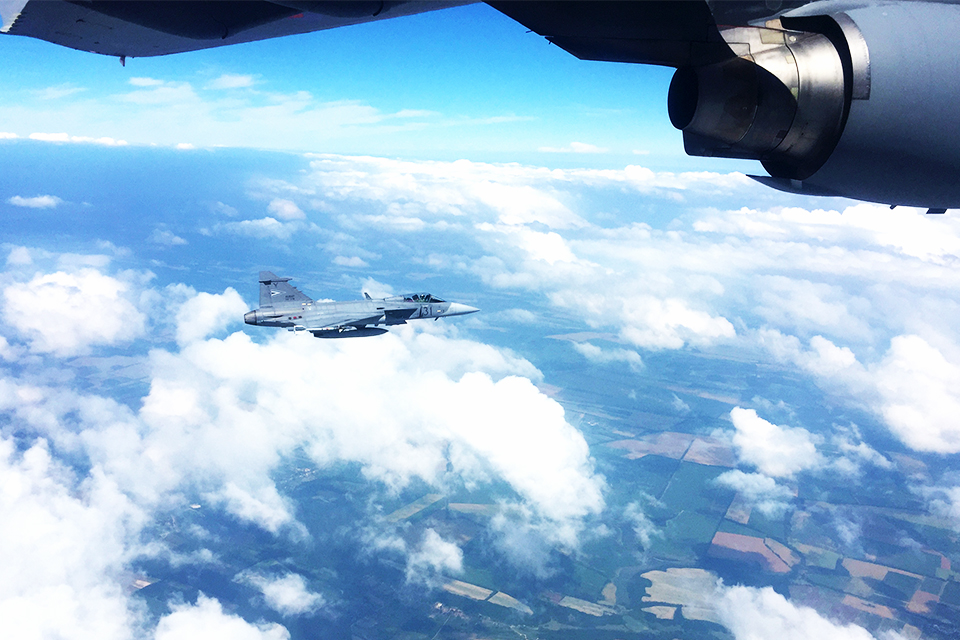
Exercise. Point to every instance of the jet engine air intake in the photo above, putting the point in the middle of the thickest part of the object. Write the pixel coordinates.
(782, 100)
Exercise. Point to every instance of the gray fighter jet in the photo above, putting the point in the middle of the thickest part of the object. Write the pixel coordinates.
(283, 305)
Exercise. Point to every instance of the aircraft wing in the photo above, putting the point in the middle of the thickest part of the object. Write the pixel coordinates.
(665, 32)
(141, 28)
(336, 322)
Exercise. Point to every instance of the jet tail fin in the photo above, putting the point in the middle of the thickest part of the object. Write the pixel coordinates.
(275, 291)
(366, 296)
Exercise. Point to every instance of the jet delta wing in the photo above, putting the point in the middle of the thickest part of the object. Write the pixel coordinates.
(283, 305)
(833, 97)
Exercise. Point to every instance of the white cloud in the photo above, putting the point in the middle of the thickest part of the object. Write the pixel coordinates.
(776, 451)
(434, 559)
(68, 313)
(643, 527)
(263, 228)
(60, 549)
(208, 313)
(285, 209)
(596, 354)
(287, 594)
(145, 82)
(66, 137)
(376, 289)
(752, 614)
(232, 81)
(166, 237)
(6, 135)
(50, 137)
(760, 491)
(575, 147)
(352, 261)
(206, 620)
(36, 202)
(920, 395)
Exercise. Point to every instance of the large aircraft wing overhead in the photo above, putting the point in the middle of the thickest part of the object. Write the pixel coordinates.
(674, 33)
(140, 28)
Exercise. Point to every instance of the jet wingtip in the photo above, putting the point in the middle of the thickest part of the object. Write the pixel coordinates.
(269, 276)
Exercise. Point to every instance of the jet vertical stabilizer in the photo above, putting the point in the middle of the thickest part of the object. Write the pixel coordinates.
(274, 291)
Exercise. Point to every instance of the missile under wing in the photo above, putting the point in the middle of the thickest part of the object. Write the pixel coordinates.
(283, 305)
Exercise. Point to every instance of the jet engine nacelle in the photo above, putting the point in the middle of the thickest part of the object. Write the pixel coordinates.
(861, 102)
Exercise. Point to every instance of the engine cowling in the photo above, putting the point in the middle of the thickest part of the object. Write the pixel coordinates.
(861, 103)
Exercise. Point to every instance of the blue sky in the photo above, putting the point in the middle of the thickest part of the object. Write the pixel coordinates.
(459, 82)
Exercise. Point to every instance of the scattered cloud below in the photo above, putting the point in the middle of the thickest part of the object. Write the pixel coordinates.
(287, 594)
(433, 559)
(206, 313)
(751, 613)
(207, 619)
(643, 527)
(595, 354)
(759, 491)
(67, 314)
(774, 450)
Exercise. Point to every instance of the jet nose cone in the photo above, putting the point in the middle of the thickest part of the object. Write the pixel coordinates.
(250, 317)
(457, 309)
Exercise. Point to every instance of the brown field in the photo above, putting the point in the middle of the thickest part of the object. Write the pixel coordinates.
(868, 607)
(735, 546)
(467, 590)
(414, 507)
(739, 510)
(667, 444)
(710, 451)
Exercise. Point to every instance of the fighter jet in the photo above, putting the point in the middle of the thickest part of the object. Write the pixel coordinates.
(283, 305)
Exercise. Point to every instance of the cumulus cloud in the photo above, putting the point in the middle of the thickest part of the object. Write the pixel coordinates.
(207, 313)
(433, 559)
(760, 491)
(166, 237)
(232, 81)
(19, 256)
(68, 313)
(352, 261)
(35, 202)
(61, 549)
(285, 209)
(596, 354)
(751, 613)
(287, 594)
(775, 450)
(643, 527)
(267, 227)
(207, 620)
(920, 395)
(219, 417)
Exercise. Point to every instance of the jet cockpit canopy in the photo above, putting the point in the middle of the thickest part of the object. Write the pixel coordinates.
(418, 297)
